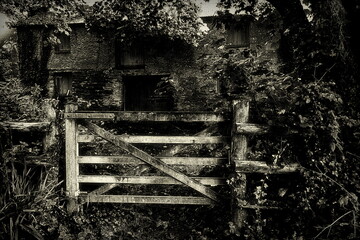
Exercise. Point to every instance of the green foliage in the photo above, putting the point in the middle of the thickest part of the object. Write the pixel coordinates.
(31, 11)
(8, 59)
(307, 119)
(143, 222)
(308, 122)
(309, 114)
(21, 102)
(310, 107)
(128, 20)
(26, 194)
(54, 13)
(17, 100)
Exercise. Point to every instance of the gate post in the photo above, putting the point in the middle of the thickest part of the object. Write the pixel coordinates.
(238, 153)
(72, 166)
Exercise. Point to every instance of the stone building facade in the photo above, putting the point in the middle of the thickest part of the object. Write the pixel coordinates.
(160, 75)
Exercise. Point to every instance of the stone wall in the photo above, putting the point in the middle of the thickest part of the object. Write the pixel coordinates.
(98, 84)
(93, 89)
(87, 52)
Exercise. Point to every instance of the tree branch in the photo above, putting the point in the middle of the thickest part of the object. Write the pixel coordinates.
(332, 224)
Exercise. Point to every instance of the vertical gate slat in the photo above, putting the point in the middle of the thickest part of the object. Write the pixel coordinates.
(72, 166)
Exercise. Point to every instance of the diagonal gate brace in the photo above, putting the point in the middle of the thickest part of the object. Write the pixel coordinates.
(167, 152)
(155, 162)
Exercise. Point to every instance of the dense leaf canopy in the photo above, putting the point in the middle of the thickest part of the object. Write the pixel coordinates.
(131, 19)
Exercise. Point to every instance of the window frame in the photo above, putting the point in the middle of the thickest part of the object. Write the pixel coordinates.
(59, 79)
(236, 29)
(229, 23)
(65, 43)
(124, 52)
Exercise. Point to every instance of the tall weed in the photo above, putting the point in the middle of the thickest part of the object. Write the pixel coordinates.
(25, 192)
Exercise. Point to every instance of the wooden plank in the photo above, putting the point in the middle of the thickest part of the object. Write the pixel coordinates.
(262, 167)
(41, 160)
(155, 162)
(211, 181)
(129, 160)
(72, 167)
(150, 116)
(184, 200)
(171, 151)
(109, 160)
(260, 207)
(195, 161)
(104, 189)
(251, 128)
(26, 126)
(163, 139)
(93, 115)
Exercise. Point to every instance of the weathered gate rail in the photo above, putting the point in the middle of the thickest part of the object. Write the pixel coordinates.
(238, 140)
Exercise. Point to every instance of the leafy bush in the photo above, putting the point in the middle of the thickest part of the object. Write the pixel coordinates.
(309, 126)
(21, 102)
(311, 134)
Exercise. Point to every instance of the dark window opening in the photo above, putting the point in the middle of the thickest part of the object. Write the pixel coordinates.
(237, 29)
(63, 84)
(238, 35)
(64, 46)
(147, 93)
(129, 56)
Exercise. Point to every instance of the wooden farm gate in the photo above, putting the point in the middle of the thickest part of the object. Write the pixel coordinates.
(165, 164)
(137, 157)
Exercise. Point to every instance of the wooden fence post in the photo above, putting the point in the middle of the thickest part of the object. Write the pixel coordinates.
(50, 138)
(238, 154)
(72, 166)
